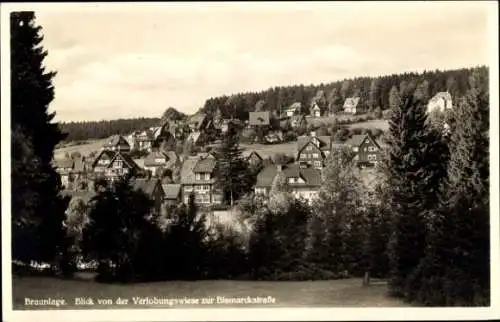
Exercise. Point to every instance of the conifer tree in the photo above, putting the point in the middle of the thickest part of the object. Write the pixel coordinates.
(456, 268)
(415, 166)
(231, 171)
(37, 208)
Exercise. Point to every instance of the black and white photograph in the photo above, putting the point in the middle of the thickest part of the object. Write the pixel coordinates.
(250, 161)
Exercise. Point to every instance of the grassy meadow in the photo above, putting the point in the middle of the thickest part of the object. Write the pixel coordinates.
(331, 293)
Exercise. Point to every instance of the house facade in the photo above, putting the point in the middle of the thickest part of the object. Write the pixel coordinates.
(101, 162)
(120, 166)
(302, 182)
(197, 177)
(441, 101)
(315, 110)
(64, 168)
(351, 105)
(313, 150)
(366, 148)
(293, 109)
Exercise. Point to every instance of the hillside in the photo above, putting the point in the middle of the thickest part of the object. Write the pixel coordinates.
(372, 91)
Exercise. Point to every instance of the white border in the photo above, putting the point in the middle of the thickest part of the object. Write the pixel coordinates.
(232, 313)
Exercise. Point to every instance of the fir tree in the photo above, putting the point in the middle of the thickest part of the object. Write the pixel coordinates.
(415, 166)
(456, 269)
(37, 208)
(232, 174)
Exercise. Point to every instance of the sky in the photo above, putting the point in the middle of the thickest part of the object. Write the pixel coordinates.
(125, 60)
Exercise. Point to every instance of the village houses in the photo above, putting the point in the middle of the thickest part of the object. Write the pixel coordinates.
(367, 149)
(312, 150)
(116, 143)
(303, 182)
(197, 177)
(159, 160)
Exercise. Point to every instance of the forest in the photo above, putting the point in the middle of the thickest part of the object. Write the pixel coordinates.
(373, 92)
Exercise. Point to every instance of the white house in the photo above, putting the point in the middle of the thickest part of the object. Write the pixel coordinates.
(441, 101)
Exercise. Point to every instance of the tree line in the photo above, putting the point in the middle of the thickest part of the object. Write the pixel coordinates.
(374, 93)
(88, 130)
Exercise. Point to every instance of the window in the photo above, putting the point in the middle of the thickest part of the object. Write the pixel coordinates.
(302, 156)
(291, 180)
(315, 155)
(118, 164)
(309, 148)
(207, 176)
(198, 176)
(372, 149)
(206, 187)
(317, 163)
(372, 157)
(355, 148)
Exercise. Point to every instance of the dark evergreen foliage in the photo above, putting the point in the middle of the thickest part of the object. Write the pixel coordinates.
(37, 208)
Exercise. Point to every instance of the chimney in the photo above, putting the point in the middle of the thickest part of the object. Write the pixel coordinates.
(279, 167)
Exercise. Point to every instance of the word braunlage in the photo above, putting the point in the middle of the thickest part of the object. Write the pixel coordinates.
(89, 301)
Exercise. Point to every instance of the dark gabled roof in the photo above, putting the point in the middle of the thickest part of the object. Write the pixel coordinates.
(107, 153)
(254, 153)
(259, 118)
(146, 185)
(351, 102)
(171, 190)
(266, 176)
(115, 140)
(324, 142)
(128, 160)
(204, 166)
(311, 176)
(188, 168)
(150, 160)
(356, 139)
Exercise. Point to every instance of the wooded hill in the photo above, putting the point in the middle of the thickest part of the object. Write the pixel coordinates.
(373, 92)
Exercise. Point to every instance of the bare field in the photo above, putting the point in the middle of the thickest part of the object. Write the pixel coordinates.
(330, 293)
(84, 149)
(374, 124)
(270, 150)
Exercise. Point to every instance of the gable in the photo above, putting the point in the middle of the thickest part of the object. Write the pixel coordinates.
(314, 148)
